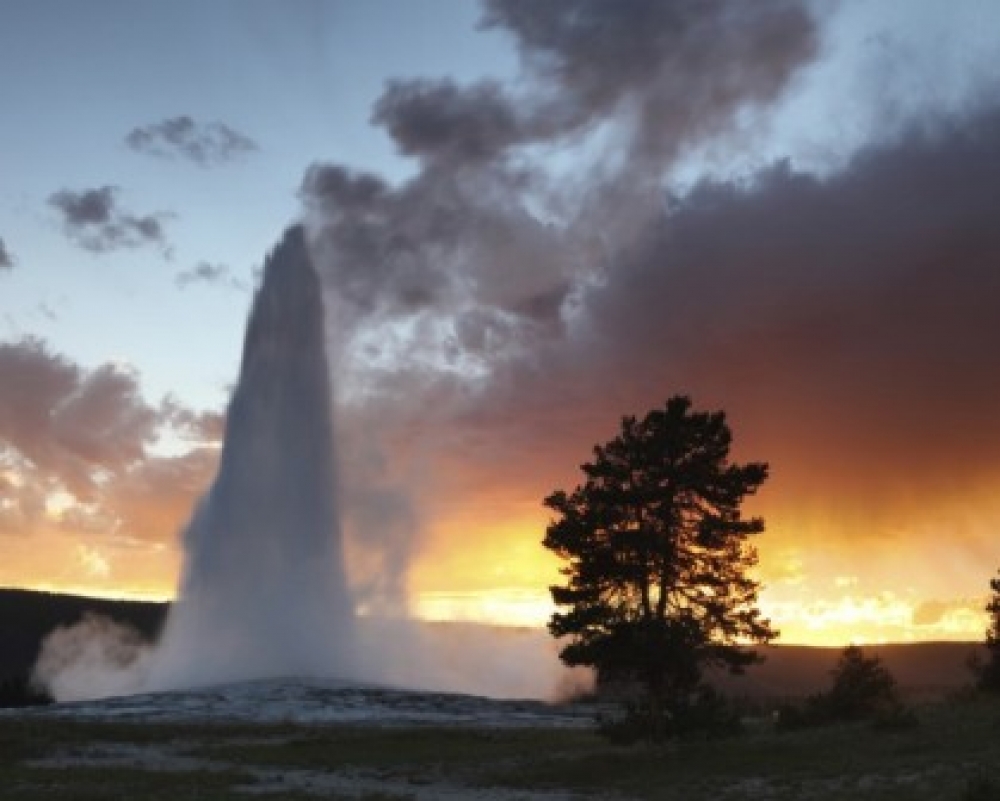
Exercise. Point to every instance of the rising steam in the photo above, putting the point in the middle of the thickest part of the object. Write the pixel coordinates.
(264, 592)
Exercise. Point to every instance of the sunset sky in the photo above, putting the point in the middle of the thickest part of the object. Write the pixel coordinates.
(529, 219)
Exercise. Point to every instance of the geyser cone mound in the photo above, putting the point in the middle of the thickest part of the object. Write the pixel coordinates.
(264, 591)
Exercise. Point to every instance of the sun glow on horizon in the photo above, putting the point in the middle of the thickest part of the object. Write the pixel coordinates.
(851, 619)
(822, 594)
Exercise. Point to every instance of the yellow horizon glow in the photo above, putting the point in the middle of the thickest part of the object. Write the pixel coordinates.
(818, 590)
(852, 620)
(91, 591)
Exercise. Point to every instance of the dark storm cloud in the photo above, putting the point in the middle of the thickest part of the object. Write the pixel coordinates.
(675, 70)
(672, 70)
(440, 118)
(478, 264)
(94, 220)
(6, 259)
(206, 144)
(207, 273)
(446, 240)
(849, 321)
(379, 249)
(847, 325)
(481, 231)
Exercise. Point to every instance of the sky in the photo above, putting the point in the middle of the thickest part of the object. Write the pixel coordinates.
(529, 219)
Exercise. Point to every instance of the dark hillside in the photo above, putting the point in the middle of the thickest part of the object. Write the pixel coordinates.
(26, 617)
(923, 670)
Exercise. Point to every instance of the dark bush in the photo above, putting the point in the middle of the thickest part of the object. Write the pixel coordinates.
(863, 689)
(707, 714)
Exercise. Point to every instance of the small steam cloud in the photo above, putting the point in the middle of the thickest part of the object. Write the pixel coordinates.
(496, 661)
(95, 658)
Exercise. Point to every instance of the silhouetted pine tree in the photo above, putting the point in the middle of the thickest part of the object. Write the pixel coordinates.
(862, 686)
(988, 671)
(657, 556)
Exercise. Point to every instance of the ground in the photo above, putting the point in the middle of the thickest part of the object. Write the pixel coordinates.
(459, 747)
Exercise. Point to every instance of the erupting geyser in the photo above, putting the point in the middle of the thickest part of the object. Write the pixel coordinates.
(264, 591)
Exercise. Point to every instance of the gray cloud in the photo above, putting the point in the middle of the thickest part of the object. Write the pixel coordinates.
(207, 273)
(847, 325)
(65, 429)
(94, 220)
(206, 144)
(846, 316)
(88, 207)
(206, 427)
(455, 123)
(69, 423)
(6, 259)
(481, 230)
(447, 240)
(669, 71)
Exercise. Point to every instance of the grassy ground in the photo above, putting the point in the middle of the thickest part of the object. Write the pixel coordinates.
(952, 753)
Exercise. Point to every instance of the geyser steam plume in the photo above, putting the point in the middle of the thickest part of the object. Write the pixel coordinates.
(264, 591)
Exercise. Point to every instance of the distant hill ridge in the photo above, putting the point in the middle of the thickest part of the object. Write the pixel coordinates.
(790, 671)
(27, 616)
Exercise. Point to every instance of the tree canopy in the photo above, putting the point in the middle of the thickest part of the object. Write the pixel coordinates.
(988, 670)
(656, 555)
(862, 685)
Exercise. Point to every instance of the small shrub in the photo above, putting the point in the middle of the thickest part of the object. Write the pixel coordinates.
(707, 714)
(863, 689)
(711, 715)
(629, 727)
